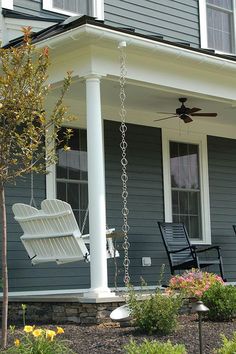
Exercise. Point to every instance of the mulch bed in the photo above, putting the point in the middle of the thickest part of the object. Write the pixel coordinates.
(110, 338)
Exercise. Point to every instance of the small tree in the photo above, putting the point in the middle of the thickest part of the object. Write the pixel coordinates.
(25, 130)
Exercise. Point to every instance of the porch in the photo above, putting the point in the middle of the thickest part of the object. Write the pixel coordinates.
(158, 74)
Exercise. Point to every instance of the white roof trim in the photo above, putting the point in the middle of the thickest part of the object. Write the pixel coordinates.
(111, 36)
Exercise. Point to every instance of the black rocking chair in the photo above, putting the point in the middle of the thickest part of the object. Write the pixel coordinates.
(234, 227)
(181, 254)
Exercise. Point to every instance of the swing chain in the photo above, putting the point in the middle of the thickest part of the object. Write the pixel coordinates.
(124, 163)
(85, 220)
(32, 200)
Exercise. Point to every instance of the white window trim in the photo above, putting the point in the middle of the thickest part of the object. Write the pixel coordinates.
(201, 141)
(203, 23)
(97, 9)
(7, 4)
(48, 5)
(203, 26)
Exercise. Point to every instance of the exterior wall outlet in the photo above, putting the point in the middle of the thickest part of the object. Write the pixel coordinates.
(146, 261)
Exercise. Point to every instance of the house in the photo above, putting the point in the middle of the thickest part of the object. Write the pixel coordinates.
(177, 170)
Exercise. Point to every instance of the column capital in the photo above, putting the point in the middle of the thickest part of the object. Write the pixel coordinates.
(92, 75)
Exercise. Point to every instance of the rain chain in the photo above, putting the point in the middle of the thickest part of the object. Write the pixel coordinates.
(124, 162)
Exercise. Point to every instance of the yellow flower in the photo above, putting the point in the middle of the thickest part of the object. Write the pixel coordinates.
(60, 330)
(17, 342)
(28, 329)
(50, 334)
(37, 332)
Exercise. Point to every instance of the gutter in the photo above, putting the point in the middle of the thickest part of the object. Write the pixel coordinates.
(177, 52)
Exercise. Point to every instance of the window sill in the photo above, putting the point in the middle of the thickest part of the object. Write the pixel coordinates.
(200, 242)
(216, 51)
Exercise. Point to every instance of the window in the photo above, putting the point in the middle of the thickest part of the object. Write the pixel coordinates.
(217, 24)
(72, 175)
(66, 7)
(186, 190)
(185, 186)
(220, 25)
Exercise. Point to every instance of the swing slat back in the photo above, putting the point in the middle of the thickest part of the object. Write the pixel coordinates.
(50, 234)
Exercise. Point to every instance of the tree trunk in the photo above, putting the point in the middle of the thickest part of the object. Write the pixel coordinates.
(4, 267)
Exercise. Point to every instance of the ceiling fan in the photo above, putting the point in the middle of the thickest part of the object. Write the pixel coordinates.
(186, 113)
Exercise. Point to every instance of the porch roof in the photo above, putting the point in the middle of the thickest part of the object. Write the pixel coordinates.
(159, 72)
(78, 21)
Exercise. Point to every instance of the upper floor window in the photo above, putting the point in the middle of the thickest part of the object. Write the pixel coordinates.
(66, 7)
(220, 25)
(217, 24)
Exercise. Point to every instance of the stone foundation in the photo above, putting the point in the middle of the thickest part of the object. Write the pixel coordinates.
(68, 309)
(59, 312)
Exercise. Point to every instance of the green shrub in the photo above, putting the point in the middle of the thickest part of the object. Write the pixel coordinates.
(228, 346)
(156, 313)
(221, 301)
(154, 347)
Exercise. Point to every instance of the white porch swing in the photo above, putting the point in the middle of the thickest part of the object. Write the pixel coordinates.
(52, 234)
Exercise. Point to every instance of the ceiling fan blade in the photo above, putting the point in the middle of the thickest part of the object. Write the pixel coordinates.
(165, 112)
(194, 110)
(186, 118)
(204, 114)
(158, 120)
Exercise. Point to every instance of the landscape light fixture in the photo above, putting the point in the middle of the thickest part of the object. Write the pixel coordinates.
(198, 307)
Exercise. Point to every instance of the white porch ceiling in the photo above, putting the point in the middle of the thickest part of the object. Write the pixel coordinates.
(144, 103)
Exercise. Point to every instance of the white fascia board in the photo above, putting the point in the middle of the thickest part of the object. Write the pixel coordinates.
(108, 36)
(168, 66)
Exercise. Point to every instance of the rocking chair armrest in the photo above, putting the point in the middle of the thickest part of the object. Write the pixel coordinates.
(209, 249)
(181, 249)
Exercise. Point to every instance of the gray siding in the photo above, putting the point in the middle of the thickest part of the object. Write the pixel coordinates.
(34, 8)
(146, 207)
(222, 180)
(145, 202)
(174, 20)
(145, 199)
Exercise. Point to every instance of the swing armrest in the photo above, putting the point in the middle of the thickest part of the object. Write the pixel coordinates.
(217, 248)
(86, 237)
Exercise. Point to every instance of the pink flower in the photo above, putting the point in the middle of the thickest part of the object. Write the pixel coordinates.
(194, 283)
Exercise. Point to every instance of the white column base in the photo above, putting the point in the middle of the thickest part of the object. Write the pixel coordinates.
(99, 293)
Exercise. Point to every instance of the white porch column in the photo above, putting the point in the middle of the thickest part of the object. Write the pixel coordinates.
(96, 190)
